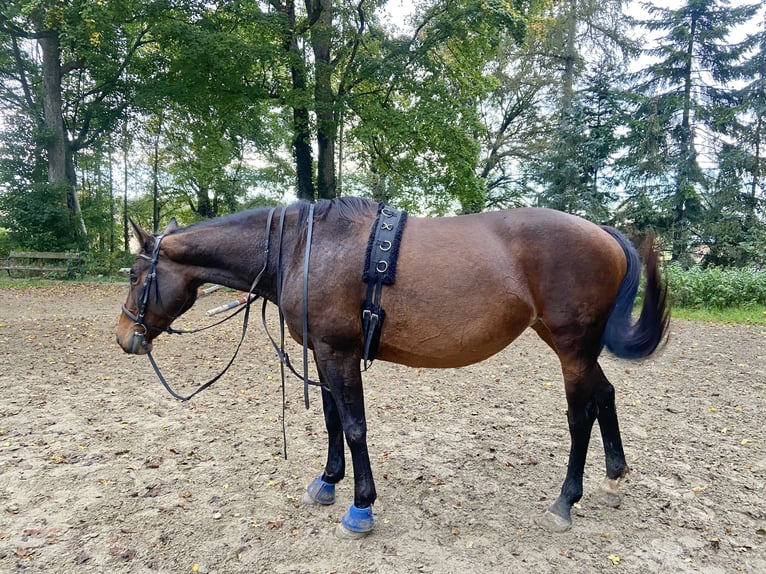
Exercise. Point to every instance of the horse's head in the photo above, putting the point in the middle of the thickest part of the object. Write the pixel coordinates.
(160, 291)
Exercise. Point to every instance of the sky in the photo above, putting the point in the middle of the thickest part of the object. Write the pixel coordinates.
(397, 11)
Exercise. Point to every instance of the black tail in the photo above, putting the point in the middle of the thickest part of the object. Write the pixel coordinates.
(622, 336)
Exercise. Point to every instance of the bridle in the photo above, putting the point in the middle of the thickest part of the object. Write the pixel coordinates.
(150, 280)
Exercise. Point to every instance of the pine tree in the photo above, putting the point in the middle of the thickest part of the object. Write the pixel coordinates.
(680, 94)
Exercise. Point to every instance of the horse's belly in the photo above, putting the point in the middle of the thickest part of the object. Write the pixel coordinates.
(438, 339)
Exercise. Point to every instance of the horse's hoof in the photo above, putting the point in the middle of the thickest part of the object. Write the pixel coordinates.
(553, 522)
(345, 534)
(356, 523)
(319, 492)
(608, 492)
(610, 498)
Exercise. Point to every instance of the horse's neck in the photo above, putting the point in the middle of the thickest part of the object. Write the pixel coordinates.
(232, 253)
(211, 255)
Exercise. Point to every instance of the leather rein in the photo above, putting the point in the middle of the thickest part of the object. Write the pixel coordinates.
(151, 280)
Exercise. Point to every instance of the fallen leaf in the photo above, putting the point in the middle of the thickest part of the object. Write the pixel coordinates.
(614, 558)
(275, 524)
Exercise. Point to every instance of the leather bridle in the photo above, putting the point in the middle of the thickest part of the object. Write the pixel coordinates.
(151, 281)
(143, 300)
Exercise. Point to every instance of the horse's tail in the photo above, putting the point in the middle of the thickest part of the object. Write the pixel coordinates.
(622, 336)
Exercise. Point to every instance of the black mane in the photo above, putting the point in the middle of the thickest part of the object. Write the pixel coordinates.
(353, 209)
(347, 208)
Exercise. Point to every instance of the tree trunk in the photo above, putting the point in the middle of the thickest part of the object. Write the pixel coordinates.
(156, 178)
(320, 12)
(61, 172)
(204, 205)
(125, 224)
(304, 162)
(686, 160)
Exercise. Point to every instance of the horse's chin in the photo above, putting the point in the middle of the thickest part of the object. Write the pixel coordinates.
(134, 344)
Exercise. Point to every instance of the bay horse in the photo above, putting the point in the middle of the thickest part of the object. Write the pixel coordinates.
(466, 287)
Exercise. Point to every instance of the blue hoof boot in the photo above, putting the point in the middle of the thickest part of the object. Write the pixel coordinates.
(356, 523)
(319, 492)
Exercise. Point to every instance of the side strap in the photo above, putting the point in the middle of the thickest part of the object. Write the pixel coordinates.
(309, 233)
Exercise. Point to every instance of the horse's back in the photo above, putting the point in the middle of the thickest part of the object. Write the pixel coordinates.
(468, 285)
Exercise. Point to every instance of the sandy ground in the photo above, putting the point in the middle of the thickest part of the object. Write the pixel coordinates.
(102, 471)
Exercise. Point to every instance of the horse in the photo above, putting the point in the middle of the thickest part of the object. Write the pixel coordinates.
(466, 287)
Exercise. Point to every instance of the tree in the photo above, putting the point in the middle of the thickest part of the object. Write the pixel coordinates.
(515, 127)
(736, 225)
(75, 91)
(576, 172)
(585, 44)
(680, 94)
(414, 120)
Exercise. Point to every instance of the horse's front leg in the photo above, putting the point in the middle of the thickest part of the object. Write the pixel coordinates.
(322, 489)
(340, 372)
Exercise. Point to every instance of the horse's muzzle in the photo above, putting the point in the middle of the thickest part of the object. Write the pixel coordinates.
(134, 343)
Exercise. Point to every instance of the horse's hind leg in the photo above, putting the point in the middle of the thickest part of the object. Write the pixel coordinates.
(322, 489)
(616, 466)
(590, 397)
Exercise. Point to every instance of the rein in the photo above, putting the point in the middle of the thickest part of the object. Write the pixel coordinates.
(151, 278)
(284, 360)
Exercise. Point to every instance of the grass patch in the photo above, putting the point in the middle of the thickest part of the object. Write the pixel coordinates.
(749, 315)
(12, 283)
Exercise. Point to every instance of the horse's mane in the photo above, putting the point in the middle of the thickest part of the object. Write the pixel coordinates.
(353, 209)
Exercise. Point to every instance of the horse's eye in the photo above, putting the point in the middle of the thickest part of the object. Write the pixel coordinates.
(133, 277)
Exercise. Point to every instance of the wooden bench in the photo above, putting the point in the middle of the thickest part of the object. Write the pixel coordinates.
(43, 261)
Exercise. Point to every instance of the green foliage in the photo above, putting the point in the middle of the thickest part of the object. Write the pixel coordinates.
(484, 104)
(715, 287)
(37, 220)
(748, 315)
(98, 263)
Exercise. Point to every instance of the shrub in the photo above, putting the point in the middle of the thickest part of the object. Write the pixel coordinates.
(715, 287)
(104, 263)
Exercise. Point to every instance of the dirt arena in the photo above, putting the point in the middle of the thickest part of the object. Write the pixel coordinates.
(102, 471)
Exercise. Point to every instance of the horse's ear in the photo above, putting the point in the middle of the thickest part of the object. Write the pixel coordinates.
(141, 239)
(172, 224)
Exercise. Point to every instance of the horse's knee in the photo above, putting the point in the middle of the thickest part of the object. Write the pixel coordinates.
(356, 434)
